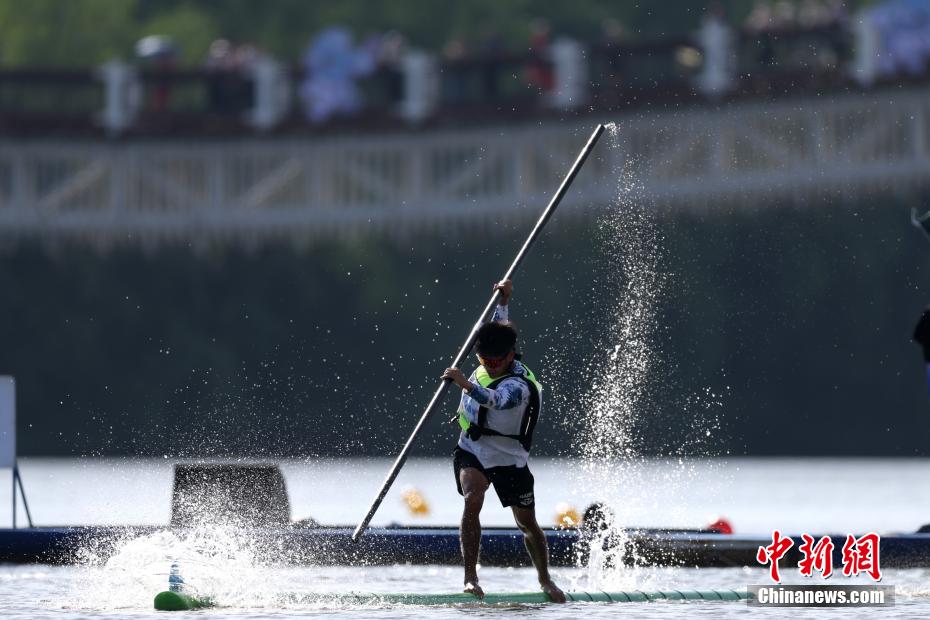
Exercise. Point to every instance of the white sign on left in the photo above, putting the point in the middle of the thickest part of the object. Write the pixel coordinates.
(7, 422)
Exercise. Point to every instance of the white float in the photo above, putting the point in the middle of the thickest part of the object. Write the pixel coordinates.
(7, 423)
(8, 440)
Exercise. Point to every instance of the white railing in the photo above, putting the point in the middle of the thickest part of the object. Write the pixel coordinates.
(256, 190)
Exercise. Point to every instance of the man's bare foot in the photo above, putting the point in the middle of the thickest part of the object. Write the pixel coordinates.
(553, 591)
(472, 587)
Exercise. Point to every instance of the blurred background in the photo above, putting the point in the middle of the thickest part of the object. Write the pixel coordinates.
(263, 229)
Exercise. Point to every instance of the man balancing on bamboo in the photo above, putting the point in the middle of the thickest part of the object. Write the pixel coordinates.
(500, 405)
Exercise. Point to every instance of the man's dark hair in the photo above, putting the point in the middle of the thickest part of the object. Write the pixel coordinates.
(496, 339)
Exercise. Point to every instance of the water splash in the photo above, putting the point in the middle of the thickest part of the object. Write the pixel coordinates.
(232, 570)
(630, 380)
(215, 560)
(630, 245)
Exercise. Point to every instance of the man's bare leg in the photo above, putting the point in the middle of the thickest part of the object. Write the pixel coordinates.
(535, 541)
(474, 484)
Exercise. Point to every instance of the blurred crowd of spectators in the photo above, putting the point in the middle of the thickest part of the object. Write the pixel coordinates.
(342, 76)
(786, 15)
(332, 66)
(902, 30)
(330, 78)
(822, 50)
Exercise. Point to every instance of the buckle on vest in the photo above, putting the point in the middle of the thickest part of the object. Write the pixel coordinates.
(473, 432)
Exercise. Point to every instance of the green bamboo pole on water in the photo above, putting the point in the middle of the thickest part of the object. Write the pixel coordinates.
(177, 601)
(466, 348)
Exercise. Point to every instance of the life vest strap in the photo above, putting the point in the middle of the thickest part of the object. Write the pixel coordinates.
(527, 425)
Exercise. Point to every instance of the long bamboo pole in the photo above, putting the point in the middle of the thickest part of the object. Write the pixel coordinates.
(470, 342)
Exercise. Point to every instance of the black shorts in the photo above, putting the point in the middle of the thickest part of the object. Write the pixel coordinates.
(513, 485)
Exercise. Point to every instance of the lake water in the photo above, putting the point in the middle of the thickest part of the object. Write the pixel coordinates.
(757, 495)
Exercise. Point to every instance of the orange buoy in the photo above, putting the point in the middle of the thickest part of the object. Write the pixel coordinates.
(566, 515)
(415, 502)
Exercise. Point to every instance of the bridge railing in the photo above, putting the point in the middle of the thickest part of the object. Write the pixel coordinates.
(257, 189)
